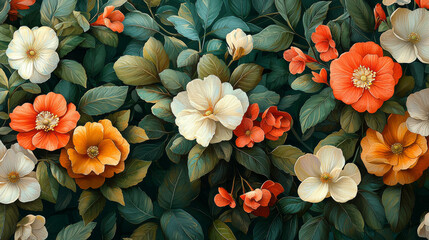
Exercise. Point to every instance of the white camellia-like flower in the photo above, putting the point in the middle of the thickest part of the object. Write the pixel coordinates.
(322, 175)
(31, 228)
(423, 229)
(418, 108)
(209, 110)
(17, 178)
(32, 53)
(409, 37)
(399, 2)
(239, 44)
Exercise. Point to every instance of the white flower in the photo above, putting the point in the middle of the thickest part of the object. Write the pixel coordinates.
(399, 2)
(322, 175)
(17, 178)
(239, 44)
(418, 108)
(409, 37)
(209, 110)
(32, 52)
(423, 229)
(31, 228)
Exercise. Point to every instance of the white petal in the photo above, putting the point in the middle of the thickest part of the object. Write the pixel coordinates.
(16, 63)
(307, 166)
(242, 96)
(41, 233)
(418, 104)
(46, 62)
(45, 38)
(180, 102)
(26, 69)
(330, 158)
(402, 51)
(2, 150)
(17, 148)
(189, 121)
(405, 21)
(229, 111)
(402, 2)
(9, 193)
(39, 222)
(204, 94)
(352, 171)
(30, 189)
(16, 50)
(18, 233)
(388, 2)
(39, 78)
(222, 134)
(313, 190)
(343, 190)
(422, 49)
(206, 131)
(418, 126)
(26, 232)
(24, 37)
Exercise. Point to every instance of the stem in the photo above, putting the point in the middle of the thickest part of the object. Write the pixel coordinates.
(300, 140)
(159, 25)
(98, 9)
(233, 184)
(247, 184)
(229, 64)
(265, 15)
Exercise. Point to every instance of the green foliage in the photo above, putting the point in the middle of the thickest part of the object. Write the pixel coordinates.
(316, 109)
(138, 206)
(178, 224)
(103, 100)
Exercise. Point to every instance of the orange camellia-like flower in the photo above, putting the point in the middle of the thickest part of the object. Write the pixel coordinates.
(423, 3)
(364, 78)
(16, 5)
(379, 15)
(224, 198)
(247, 134)
(97, 152)
(325, 45)
(46, 123)
(321, 77)
(111, 19)
(259, 201)
(275, 123)
(396, 154)
(298, 60)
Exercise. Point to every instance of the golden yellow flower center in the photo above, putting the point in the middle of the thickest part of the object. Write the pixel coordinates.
(13, 177)
(46, 121)
(326, 177)
(397, 148)
(92, 151)
(31, 53)
(414, 37)
(363, 77)
(248, 132)
(209, 111)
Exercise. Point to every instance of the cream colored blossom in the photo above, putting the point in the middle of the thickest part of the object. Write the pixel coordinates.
(399, 2)
(31, 228)
(418, 108)
(322, 175)
(239, 44)
(409, 37)
(32, 53)
(209, 110)
(423, 229)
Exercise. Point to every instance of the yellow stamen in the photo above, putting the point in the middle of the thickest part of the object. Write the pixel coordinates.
(363, 77)
(326, 177)
(92, 151)
(46, 121)
(397, 148)
(13, 177)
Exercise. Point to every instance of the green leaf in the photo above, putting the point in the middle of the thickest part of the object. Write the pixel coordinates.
(372, 210)
(405, 86)
(209, 64)
(246, 76)
(94, 60)
(113, 193)
(208, 10)
(149, 152)
(184, 27)
(135, 134)
(135, 171)
(36, 205)
(174, 81)
(81, 20)
(176, 191)
(180, 225)
(241, 8)
(361, 14)
(268, 229)
(163, 12)
(376, 121)
(55, 8)
(62, 177)
(284, 157)
(68, 44)
(153, 126)
(316, 109)
(120, 119)
(138, 206)
(201, 161)
(350, 120)
(226, 25)
(181, 145)
(71, 71)
(263, 97)
(316, 228)
(49, 188)
(162, 110)
(103, 99)
(290, 10)
(105, 35)
(220, 231)
(76, 231)
(223, 150)
(134, 70)
(187, 57)
(145, 231)
(255, 159)
(306, 84)
(293, 205)
(273, 38)
(31, 88)
(154, 51)
(346, 218)
(345, 141)
(91, 204)
(290, 228)
(139, 26)
(108, 226)
(314, 16)
(9, 215)
(392, 107)
(398, 205)
(173, 47)
(152, 93)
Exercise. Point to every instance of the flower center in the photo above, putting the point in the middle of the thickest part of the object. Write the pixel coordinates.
(209, 111)
(248, 132)
(13, 177)
(31, 53)
(363, 77)
(92, 151)
(326, 177)
(397, 148)
(46, 121)
(414, 37)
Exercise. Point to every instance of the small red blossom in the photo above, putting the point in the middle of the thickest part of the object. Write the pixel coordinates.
(111, 19)
(252, 112)
(379, 14)
(247, 134)
(256, 199)
(274, 188)
(423, 3)
(275, 123)
(16, 5)
(297, 59)
(321, 77)
(224, 198)
(325, 45)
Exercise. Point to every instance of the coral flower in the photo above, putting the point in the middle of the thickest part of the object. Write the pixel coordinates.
(379, 15)
(297, 59)
(111, 19)
(275, 123)
(396, 154)
(224, 198)
(321, 77)
(423, 3)
(16, 5)
(252, 112)
(255, 199)
(247, 134)
(325, 45)
(363, 78)
(45, 123)
(97, 152)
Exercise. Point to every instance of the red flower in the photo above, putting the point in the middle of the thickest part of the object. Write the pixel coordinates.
(321, 77)
(423, 3)
(274, 188)
(325, 45)
(275, 123)
(247, 134)
(297, 60)
(255, 199)
(111, 19)
(252, 112)
(224, 198)
(16, 5)
(379, 14)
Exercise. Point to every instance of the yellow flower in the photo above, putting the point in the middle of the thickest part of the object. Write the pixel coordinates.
(239, 44)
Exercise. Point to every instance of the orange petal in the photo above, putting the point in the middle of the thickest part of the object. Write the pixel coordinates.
(47, 140)
(25, 139)
(111, 132)
(90, 181)
(117, 16)
(69, 120)
(364, 48)
(221, 201)
(115, 26)
(89, 135)
(107, 11)
(52, 102)
(23, 118)
(242, 141)
(367, 103)
(108, 153)
(82, 164)
(266, 197)
(109, 171)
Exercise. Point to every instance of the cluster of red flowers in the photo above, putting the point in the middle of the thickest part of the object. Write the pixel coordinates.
(273, 125)
(257, 201)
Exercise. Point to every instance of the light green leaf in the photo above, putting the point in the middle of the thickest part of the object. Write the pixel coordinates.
(284, 157)
(209, 64)
(112, 193)
(208, 10)
(103, 99)
(62, 177)
(226, 25)
(220, 231)
(273, 38)
(105, 35)
(71, 71)
(306, 84)
(134, 70)
(154, 51)
(138, 206)
(76, 231)
(201, 161)
(174, 81)
(68, 44)
(290, 10)
(350, 120)
(135, 171)
(49, 188)
(246, 76)
(91, 204)
(184, 27)
(345, 141)
(139, 25)
(152, 93)
(187, 57)
(146, 231)
(55, 8)
(162, 110)
(173, 47)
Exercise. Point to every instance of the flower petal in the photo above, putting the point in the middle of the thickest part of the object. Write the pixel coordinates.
(402, 51)
(330, 158)
(46, 62)
(45, 38)
(89, 135)
(204, 94)
(352, 171)
(343, 190)
(229, 111)
(9, 193)
(69, 120)
(205, 132)
(307, 166)
(180, 103)
(313, 190)
(23, 118)
(51, 102)
(108, 153)
(29, 189)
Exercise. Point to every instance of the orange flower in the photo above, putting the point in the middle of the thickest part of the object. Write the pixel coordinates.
(379, 14)
(274, 188)
(224, 198)
(423, 3)
(45, 123)
(325, 45)
(111, 19)
(275, 123)
(396, 154)
(16, 5)
(297, 60)
(247, 134)
(321, 77)
(97, 152)
(252, 112)
(363, 78)
(259, 201)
